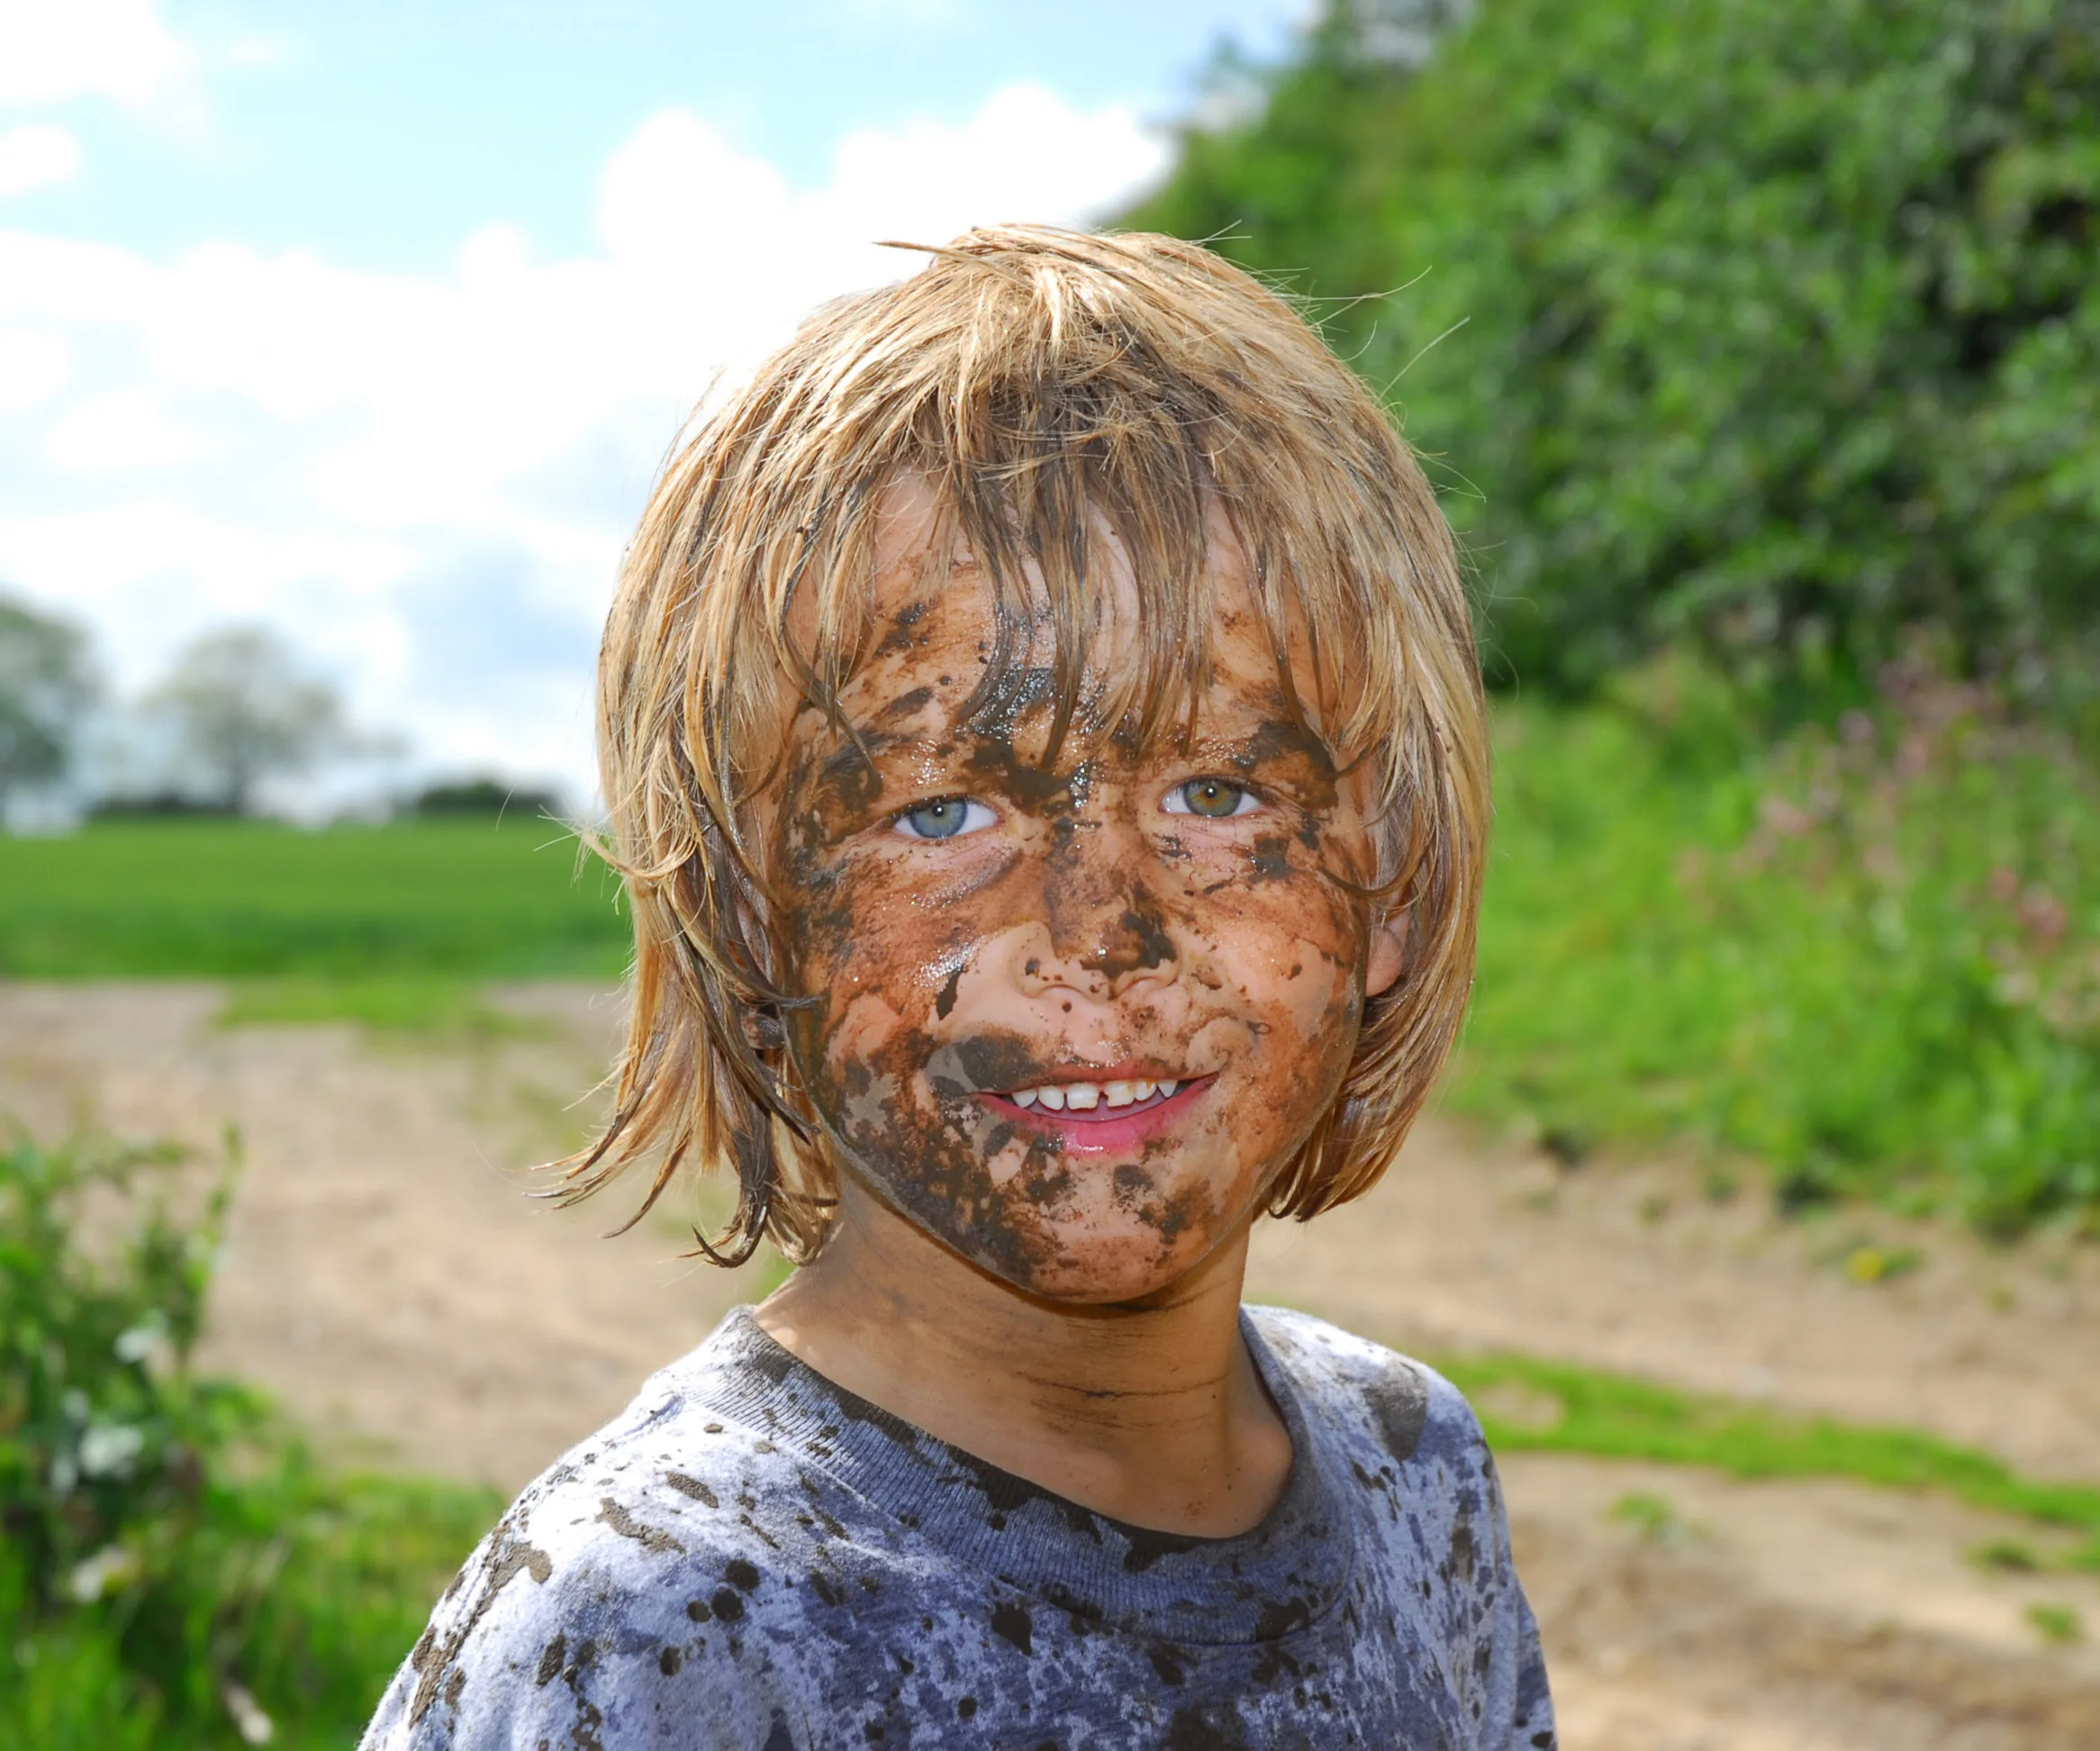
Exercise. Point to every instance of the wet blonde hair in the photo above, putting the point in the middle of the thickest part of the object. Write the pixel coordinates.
(1042, 383)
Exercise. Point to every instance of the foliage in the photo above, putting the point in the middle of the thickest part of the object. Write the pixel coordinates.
(485, 796)
(422, 905)
(242, 710)
(173, 1557)
(1617, 1417)
(1777, 326)
(1870, 958)
(47, 685)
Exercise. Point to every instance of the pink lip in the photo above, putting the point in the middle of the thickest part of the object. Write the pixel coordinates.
(1106, 1130)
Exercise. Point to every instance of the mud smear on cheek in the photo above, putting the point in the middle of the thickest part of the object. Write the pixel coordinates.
(989, 1189)
(1270, 860)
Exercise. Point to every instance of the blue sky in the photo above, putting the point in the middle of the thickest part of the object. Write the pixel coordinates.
(371, 320)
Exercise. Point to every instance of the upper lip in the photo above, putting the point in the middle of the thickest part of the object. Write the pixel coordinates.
(1129, 1070)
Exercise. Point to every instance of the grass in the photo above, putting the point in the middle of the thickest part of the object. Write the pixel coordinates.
(453, 1009)
(394, 911)
(2056, 1623)
(1870, 959)
(1574, 1409)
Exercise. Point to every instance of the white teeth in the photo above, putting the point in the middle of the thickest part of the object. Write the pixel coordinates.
(1085, 1097)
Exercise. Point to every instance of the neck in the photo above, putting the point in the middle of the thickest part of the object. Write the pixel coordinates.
(1148, 1411)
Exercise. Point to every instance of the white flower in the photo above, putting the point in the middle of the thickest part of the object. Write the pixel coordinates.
(142, 1339)
(107, 1449)
(104, 1573)
(255, 1727)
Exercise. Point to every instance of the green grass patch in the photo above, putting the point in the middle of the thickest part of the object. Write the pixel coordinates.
(429, 902)
(1870, 958)
(453, 1010)
(2056, 1623)
(1568, 1408)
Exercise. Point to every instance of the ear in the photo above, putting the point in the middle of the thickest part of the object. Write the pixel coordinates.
(1389, 953)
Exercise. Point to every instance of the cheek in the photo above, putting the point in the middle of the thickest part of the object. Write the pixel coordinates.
(884, 921)
(1291, 943)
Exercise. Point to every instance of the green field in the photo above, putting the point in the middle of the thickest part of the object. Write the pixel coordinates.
(439, 900)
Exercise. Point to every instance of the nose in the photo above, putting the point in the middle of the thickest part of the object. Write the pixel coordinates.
(1103, 943)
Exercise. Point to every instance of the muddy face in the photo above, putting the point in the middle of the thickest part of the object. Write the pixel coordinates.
(975, 923)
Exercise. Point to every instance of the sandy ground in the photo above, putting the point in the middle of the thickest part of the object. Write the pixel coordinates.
(386, 1277)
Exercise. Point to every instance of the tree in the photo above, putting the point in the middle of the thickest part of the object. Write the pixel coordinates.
(242, 710)
(1775, 327)
(48, 686)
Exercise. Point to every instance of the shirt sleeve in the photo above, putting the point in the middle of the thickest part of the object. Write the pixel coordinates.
(1520, 1717)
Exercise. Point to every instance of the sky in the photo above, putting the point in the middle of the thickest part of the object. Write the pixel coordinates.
(371, 321)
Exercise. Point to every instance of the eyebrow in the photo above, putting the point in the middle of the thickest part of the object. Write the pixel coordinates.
(850, 777)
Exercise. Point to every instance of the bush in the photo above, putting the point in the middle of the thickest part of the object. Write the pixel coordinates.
(486, 796)
(1776, 326)
(175, 1563)
(1870, 957)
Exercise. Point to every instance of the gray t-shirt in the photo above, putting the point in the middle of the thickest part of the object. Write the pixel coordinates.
(751, 1557)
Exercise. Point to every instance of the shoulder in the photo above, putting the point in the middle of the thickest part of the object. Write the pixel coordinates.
(1404, 1406)
(621, 1595)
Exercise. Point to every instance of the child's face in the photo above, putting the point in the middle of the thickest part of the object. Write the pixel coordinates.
(973, 928)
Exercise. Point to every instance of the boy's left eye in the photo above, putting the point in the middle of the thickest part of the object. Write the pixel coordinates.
(1214, 799)
(944, 818)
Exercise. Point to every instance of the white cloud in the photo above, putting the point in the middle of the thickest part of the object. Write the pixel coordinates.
(33, 368)
(120, 432)
(372, 459)
(35, 155)
(53, 51)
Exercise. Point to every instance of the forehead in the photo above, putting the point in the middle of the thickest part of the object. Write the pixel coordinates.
(931, 652)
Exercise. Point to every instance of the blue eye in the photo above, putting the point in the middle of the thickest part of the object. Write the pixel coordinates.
(1214, 799)
(944, 818)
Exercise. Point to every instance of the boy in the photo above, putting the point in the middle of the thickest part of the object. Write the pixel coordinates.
(1041, 725)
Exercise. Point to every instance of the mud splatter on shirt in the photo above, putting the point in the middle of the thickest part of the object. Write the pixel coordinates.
(752, 1559)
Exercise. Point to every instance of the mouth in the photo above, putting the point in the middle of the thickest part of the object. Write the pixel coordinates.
(1111, 1113)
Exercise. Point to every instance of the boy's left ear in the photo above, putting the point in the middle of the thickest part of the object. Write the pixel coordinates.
(1389, 953)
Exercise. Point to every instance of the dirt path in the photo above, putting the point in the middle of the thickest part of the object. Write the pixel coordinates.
(386, 1279)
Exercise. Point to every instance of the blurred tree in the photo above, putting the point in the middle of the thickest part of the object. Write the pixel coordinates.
(242, 710)
(485, 796)
(1776, 326)
(48, 686)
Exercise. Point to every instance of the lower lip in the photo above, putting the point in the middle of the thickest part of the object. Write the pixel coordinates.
(1125, 1127)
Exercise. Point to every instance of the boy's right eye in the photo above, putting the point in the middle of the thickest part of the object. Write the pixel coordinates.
(944, 818)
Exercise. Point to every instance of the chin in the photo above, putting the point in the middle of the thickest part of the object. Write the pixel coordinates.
(1089, 1268)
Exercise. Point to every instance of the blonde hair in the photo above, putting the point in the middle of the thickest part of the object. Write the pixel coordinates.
(1041, 383)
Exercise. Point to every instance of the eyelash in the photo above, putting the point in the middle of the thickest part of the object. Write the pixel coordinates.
(976, 817)
(1246, 805)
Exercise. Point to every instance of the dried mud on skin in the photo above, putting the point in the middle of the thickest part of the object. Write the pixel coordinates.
(386, 1279)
